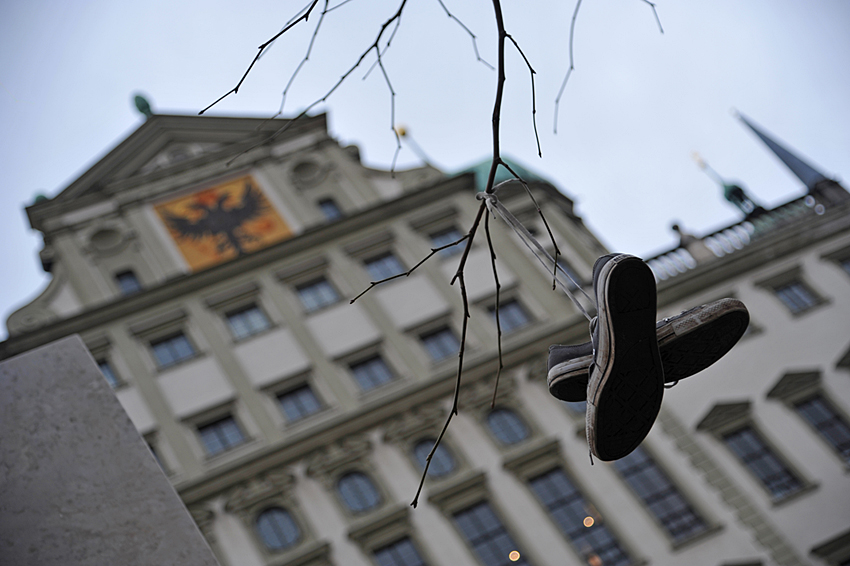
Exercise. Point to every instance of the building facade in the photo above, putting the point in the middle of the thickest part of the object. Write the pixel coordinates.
(209, 263)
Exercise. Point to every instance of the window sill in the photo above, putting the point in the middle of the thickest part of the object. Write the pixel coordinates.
(711, 531)
(168, 368)
(803, 491)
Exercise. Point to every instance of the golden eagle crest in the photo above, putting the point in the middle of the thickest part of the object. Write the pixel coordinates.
(222, 222)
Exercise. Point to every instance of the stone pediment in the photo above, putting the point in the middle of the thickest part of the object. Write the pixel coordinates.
(165, 142)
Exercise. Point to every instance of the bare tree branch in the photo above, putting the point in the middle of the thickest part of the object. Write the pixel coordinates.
(374, 46)
(498, 322)
(409, 271)
(471, 35)
(655, 12)
(261, 48)
(572, 64)
(533, 94)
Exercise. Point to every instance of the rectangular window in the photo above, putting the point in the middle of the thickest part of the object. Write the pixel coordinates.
(329, 209)
(106, 370)
(317, 294)
(128, 283)
(757, 456)
(371, 373)
(221, 435)
(796, 296)
(664, 500)
(400, 553)
(485, 533)
(384, 266)
(446, 237)
(578, 519)
(512, 315)
(845, 265)
(247, 321)
(441, 343)
(299, 403)
(171, 350)
(825, 419)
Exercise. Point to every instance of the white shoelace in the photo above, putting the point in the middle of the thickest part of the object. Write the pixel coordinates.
(493, 206)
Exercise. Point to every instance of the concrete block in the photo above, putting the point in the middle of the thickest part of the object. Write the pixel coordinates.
(78, 484)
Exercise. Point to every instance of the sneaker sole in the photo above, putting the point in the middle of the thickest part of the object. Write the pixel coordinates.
(624, 400)
(687, 347)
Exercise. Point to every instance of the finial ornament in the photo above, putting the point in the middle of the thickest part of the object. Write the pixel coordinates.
(142, 105)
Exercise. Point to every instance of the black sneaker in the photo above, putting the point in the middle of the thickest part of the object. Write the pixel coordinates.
(626, 379)
(688, 343)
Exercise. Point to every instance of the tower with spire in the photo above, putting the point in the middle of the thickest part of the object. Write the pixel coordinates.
(824, 189)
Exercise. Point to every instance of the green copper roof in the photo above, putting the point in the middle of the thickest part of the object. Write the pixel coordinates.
(482, 170)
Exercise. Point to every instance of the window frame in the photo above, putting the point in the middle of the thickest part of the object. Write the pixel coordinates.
(214, 419)
(424, 335)
(501, 409)
(725, 419)
(300, 534)
(168, 337)
(371, 358)
(325, 303)
(241, 309)
(338, 213)
(451, 250)
(292, 388)
(699, 515)
(137, 286)
(380, 501)
(793, 276)
(379, 271)
(116, 382)
(506, 302)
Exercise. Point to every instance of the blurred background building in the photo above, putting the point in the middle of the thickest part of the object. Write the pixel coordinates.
(208, 264)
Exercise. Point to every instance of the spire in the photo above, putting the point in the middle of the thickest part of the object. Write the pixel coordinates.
(805, 172)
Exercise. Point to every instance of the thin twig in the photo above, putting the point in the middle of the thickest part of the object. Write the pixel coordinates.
(533, 94)
(409, 271)
(654, 11)
(498, 322)
(260, 49)
(303, 61)
(572, 64)
(471, 35)
(289, 123)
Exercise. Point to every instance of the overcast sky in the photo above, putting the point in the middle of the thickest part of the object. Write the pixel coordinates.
(636, 107)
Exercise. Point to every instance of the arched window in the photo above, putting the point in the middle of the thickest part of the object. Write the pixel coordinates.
(277, 529)
(358, 492)
(442, 462)
(507, 426)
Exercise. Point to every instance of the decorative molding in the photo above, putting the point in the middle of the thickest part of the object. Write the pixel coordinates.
(419, 422)
(326, 463)
(373, 243)
(795, 385)
(748, 514)
(834, 551)
(538, 458)
(225, 298)
(204, 516)
(466, 490)
(315, 553)
(844, 361)
(477, 396)
(278, 484)
(302, 271)
(725, 416)
(434, 219)
(166, 320)
(381, 528)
